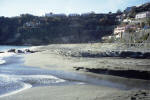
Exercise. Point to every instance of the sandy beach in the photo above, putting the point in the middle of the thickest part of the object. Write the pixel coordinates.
(67, 56)
(60, 57)
(77, 92)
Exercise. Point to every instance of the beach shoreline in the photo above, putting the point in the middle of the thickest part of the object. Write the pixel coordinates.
(57, 57)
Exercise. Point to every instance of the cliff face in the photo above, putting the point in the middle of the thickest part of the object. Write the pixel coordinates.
(32, 30)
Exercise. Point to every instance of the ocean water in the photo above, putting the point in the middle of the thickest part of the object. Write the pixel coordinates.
(7, 47)
(14, 77)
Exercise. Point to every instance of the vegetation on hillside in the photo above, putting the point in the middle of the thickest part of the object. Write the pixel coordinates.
(32, 30)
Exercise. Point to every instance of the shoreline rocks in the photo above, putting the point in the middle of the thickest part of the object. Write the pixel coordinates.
(20, 51)
(122, 54)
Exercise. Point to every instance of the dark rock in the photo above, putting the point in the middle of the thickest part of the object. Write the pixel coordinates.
(12, 50)
(78, 68)
(20, 51)
(1, 52)
(30, 51)
(144, 93)
(122, 73)
(146, 55)
(133, 98)
(27, 50)
(125, 54)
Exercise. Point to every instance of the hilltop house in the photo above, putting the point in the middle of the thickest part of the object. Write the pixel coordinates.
(73, 15)
(54, 15)
(142, 15)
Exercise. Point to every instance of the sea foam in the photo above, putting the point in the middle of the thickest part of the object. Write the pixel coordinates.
(2, 61)
(26, 86)
(3, 55)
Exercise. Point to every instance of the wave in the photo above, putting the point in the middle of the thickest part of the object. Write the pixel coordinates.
(6, 54)
(18, 83)
(40, 80)
(26, 86)
(2, 61)
(37, 78)
(3, 55)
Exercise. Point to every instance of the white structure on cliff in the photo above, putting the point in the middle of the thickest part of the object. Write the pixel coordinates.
(54, 15)
(143, 15)
(119, 31)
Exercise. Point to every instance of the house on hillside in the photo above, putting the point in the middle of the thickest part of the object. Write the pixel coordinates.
(127, 20)
(120, 30)
(31, 24)
(119, 18)
(142, 15)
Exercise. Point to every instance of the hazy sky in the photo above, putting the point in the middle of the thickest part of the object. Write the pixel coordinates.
(40, 7)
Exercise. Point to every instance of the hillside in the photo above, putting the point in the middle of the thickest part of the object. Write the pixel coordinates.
(33, 30)
(137, 9)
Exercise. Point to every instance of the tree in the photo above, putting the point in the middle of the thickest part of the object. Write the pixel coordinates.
(110, 12)
(142, 24)
(148, 21)
(119, 11)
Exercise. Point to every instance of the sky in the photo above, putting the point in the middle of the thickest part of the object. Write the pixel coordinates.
(9, 8)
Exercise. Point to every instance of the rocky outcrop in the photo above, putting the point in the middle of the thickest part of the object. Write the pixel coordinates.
(123, 54)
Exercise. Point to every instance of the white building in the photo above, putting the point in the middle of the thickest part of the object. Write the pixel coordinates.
(119, 31)
(54, 15)
(88, 13)
(143, 15)
(32, 24)
(72, 15)
(127, 20)
(119, 18)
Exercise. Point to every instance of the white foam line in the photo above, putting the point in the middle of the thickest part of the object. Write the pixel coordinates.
(2, 61)
(3, 55)
(6, 54)
(58, 80)
(26, 86)
(42, 76)
(81, 83)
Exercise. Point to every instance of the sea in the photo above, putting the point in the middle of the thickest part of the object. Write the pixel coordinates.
(16, 77)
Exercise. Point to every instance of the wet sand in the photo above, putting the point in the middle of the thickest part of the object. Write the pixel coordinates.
(76, 92)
